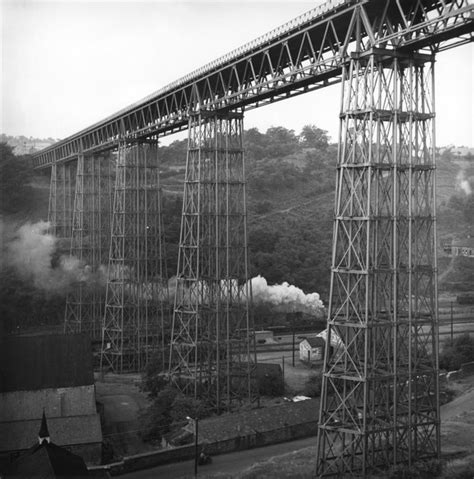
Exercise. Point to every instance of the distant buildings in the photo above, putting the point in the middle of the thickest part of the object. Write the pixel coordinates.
(458, 151)
(23, 146)
(51, 373)
(460, 247)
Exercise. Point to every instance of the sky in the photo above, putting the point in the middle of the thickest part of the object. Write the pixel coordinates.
(67, 64)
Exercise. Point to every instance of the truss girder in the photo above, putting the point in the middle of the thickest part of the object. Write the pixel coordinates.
(90, 238)
(304, 54)
(210, 354)
(137, 289)
(379, 403)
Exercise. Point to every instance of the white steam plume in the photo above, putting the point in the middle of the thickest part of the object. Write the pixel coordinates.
(285, 297)
(463, 183)
(30, 252)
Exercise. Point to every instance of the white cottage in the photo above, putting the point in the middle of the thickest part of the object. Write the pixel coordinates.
(312, 349)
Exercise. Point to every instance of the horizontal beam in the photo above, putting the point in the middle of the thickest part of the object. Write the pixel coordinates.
(302, 55)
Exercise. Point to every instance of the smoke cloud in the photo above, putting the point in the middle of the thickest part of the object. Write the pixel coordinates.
(285, 297)
(30, 250)
(463, 183)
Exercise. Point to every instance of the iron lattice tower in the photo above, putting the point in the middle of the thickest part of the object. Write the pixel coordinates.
(379, 403)
(210, 354)
(61, 202)
(136, 284)
(90, 244)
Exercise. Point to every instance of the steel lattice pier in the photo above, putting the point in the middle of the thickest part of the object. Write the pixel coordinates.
(90, 244)
(133, 326)
(380, 385)
(210, 347)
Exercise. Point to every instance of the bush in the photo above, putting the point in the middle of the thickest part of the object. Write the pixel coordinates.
(453, 356)
(422, 470)
(446, 394)
(169, 408)
(153, 381)
(271, 386)
(313, 386)
(157, 418)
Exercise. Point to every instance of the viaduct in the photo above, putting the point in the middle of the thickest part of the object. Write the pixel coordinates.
(380, 397)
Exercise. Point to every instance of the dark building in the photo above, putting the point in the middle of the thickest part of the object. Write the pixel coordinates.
(51, 373)
(47, 460)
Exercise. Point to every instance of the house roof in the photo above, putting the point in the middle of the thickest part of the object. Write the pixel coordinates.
(47, 460)
(45, 361)
(315, 342)
(65, 431)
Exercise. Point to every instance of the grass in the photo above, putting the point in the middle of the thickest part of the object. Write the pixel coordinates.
(294, 465)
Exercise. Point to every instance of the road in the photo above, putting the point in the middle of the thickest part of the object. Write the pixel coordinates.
(223, 466)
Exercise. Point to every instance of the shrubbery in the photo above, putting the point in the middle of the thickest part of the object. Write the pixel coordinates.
(418, 470)
(461, 351)
(169, 408)
(313, 386)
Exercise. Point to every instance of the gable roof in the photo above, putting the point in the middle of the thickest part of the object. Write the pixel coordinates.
(317, 342)
(47, 460)
(65, 431)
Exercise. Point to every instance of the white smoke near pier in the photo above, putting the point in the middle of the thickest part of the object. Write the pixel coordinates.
(463, 183)
(30, 250)
(285, 297)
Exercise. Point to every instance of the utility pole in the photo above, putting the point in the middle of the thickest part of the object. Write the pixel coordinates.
(452, 325)
(196, 446)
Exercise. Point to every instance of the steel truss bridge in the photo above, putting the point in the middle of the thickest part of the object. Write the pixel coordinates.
(380, 395)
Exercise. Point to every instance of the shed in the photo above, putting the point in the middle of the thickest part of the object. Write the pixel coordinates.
(312, 349)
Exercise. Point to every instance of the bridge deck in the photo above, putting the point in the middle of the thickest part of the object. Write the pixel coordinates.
(304, 54)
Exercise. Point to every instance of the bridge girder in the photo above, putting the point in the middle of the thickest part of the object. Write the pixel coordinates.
(305, 54)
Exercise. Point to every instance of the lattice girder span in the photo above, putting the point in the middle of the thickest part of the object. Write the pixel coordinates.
(210, 355)
(379, 403)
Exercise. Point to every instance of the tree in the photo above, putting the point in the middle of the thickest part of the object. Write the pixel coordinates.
(280, 142)
(255, 144)
(15, 175)
(314, 137)
(452, 357)
(313, 385)
(157, 419)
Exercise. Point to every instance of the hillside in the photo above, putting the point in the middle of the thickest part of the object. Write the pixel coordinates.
(290, 189)
(290, 206)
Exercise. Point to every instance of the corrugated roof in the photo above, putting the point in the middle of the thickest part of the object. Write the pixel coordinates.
(47, 361)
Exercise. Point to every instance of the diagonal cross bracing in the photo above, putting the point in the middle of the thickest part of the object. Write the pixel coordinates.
(379, 401)
(90, 238)
(133, 322)
(210, 354)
